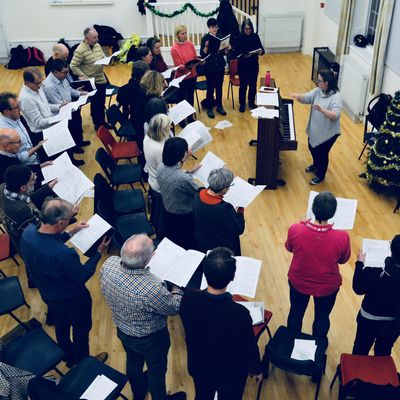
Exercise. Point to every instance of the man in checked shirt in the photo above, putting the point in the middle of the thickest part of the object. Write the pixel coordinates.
(140, 304)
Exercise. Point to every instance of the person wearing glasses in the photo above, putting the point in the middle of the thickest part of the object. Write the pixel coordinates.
(323, 127)
(58, 273)
(248, 48)
(217, 223)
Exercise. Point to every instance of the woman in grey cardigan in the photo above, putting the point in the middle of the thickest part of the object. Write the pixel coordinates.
(177, 190)
(324, 123)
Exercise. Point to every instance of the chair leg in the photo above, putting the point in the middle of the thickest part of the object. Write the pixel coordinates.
(269, 332)
(259, 389)
(233, 100)
(197, 99)
(334, 378)
(124, 397)
(58, 371)
(362, 152)
(397, 205)
(26, 327)
(317, 390)
(229, 87)
(3, 274)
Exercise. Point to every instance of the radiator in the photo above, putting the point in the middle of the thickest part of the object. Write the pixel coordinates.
(283, 32)
(353, 85)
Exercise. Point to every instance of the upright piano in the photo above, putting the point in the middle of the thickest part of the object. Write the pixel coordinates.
(273, 135)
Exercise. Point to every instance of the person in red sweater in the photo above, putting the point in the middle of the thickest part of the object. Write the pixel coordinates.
(314, 271)
(182, 52)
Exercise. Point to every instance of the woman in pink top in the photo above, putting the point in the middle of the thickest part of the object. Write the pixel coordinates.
(317, 250)
(182, 52)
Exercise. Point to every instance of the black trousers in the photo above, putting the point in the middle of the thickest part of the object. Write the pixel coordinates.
(227, 388)
(248, 75)
(186, 90)
(76, 313)
(383, 333)
(320, 155)
(157, 216)
(322, 308)
(215, 80)
(75, 127)
(97, 105)
(152, 349)
(180, 229)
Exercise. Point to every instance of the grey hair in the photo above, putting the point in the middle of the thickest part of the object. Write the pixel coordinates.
(136, 251)
(4, 136)
(54, 210)
(219, 179)
(87, 30)
(159, 127)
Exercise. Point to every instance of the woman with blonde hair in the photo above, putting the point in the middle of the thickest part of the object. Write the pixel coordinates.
(153, 145)
(182, 52)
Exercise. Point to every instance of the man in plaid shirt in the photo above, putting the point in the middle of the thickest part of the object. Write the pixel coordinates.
(140, 304)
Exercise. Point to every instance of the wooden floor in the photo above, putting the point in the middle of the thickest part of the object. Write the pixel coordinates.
(267, 221)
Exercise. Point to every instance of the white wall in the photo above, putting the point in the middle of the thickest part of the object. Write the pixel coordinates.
(35, 21)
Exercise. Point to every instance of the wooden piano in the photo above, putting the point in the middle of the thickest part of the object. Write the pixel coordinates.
(273, 135)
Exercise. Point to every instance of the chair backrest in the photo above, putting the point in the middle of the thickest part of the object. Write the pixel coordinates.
(233, 68)
(106, 138)
(102, 190)
(106, 212)
(4, 246)
(105, 162)
(115, 116)
(377, 109)
(11, 295)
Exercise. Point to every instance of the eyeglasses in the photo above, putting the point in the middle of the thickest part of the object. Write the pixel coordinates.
(16, 142)
(319, 81)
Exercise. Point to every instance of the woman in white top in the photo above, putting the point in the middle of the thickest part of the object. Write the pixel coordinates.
(153, 144)
(324, 123)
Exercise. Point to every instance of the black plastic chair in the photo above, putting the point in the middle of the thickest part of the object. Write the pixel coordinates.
(35, 351)
(111, 90)
(200, 85)
(119, 174)
(76, 381)
(11, 298)
(377, 108)
(121, 125)
(278, 352)
(124, 201)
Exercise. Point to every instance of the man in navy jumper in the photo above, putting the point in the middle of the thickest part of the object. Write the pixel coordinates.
(60, 276)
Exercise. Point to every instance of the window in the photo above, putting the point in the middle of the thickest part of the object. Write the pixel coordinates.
(372, 21)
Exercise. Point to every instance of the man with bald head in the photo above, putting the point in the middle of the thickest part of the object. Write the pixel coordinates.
(60, 276)
(140, 304)
(83, 65)
(60, 52)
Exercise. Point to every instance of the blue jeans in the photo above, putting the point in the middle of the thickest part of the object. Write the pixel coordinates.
(152, 349)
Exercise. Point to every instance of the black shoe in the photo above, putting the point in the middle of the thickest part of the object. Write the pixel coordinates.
(84, 143)
(78, 150)
(252, 106)
(210, 113)
(220, 110)
(182, 124)
(177, 396)
(242, 108)
(316, 180)
(77, 163)
(311, 168)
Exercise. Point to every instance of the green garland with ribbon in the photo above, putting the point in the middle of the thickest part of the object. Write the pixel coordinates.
(181, 11)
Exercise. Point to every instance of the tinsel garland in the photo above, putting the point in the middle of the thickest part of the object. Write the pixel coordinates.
(181, 11)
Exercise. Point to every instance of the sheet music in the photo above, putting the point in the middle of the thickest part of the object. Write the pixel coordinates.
(99, 389)
(84, 98)
(58, 138)
(223, 124)
(172, 263)
(224, 43)
(375, 252)
(180, 111)
(167, 74)
(55, 118)
(209, 162)
(256, 310)
(176, 82)
(241, 194)
(246, 277)
(267, 99)
(109, 92)
(87, 237)
(57, 168)
(192, 137)
(304, 350)
(66, 110)
(72, 183)
(194, 129)
(255, 51)
(268, 89)
(262, 112)
(345, 212)
(107, 60)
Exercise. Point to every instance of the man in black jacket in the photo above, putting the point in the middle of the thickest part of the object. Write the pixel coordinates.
(222, 349)
(378, 319)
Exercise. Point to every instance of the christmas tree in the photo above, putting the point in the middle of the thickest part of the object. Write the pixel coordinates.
(383, 164)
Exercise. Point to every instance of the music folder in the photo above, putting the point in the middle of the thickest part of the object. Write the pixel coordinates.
(216, 44)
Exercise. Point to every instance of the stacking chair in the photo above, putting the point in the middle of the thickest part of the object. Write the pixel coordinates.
(124, 201)
(5, 252)
(117, 151)
(11, 298)
(119, 174)
(122, 127)
(278, 352)
(111, 91)
(200, 85)
(260, 328)
(233, 79)
(76, 381)
(361, 376)
(377, 108)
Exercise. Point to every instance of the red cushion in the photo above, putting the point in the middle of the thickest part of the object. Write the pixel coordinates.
(377, 370)
(125, 150)
(235, 81)
(4, 246)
